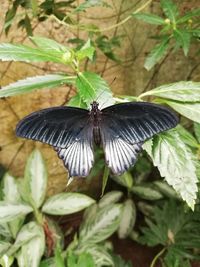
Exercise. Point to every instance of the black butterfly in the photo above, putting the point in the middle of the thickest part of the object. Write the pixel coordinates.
(121, 129)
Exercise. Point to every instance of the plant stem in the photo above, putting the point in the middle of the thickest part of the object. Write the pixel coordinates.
(157, 257)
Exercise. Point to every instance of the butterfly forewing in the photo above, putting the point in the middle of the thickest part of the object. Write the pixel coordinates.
(68, 130)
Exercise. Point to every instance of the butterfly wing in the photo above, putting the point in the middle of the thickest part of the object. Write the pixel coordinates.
(124, 127)
(67, 129)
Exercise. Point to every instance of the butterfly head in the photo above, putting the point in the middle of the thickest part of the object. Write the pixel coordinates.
(94, 106)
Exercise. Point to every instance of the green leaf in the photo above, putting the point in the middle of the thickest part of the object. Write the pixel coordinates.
(128, 219)
(59, 260)
(89, 3)
(125, 179)
(187, 137)
(149, 18)
(156, 54)
(47, 44)
(175, 162)
(110, 198)
(181, 91)
(146, 192)
(170, 9)
(4, 246)
(66, 203)
(11, 211)
(86, 51)
(76, 101)
(36, 178)
(104, 224)
(31, 252)
(166, 189)
(12, 195)
(6, 261)
(17, 52)
(34, 83)
(105, 179)
(182, 39)
(189, 110)
(92, 87)
(197, 131)
(188, 16)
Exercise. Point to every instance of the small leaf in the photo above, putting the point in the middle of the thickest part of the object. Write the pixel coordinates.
(128, 219)
(34, 83)
(188, 16)
(197, 131)
(183, 39)
(11, 211)
(189, 110)
(181, 91)
(156, 54)
(4, 246)
(125, 179)
(105, 179)
(166, 189)
(110, 198)
(66, 203)
(104, 225)
(76, 101)
(86, 51)
(89, 3)
(92, 87)
(149, 18)
(6, 261)
(36, 178)
(175, 162)
(146, 192)
(170, 9)
(27, 232)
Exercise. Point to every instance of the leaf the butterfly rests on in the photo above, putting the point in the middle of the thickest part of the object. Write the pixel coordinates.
(121, 129)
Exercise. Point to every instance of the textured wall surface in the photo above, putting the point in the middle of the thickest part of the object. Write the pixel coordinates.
(131, 77)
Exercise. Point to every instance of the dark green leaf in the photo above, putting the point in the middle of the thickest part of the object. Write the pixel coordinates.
(146, 192)
(156, 54)
(27, 25)
(197, 131)
(47, 44)
(90, 3)
(170, 9)
(105, 179)
(34, 83)
(183, 39)
(149, 18)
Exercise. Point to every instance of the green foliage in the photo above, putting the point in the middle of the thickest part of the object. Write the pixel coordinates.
(175, 229)
(175, 30)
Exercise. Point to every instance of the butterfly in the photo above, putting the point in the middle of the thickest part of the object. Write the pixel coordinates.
(121, 129)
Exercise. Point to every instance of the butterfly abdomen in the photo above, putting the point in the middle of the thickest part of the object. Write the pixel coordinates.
(97, 135)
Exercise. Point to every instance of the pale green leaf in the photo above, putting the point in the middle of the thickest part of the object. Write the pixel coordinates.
(181, 91)
(197, 131)
(76, 101)
(4, 230)
(110, 198)
(27, 233)
(128, 219)
(17, 52)
(166, 189)
(11, 211)
(36, 178)
(34, 83)
(156, 54)
(92, 87)
(170, 9)
(4, 246)
(175, 162)
(189, 110)
(104, 224)
(48, 44)
(183, 39)
(66, 203)
(149, 18)
(187, 137)
(6, 261)
(146, 192)
(86, 51)
(125, 179)
(31, 252)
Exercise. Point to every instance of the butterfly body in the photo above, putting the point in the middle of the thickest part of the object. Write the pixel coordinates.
(121, 129)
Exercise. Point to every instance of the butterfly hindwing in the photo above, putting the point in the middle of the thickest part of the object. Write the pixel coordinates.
(68, 130)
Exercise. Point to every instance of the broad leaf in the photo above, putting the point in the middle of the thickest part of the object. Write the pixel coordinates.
(27, 233)
(36, 178)
(189, 110)
(181, 91)
(104, 224)
(12, 195)
(170, 9)
(110, 198)
(149, 18)
(146, 191)
(183, 39)
(92, 87)
(156, 54)
(17, 52)
(4, 246)
(66, 203)
(128, 219)
(175, 162)
(31, 252)
(34, 83)
(11, 211)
